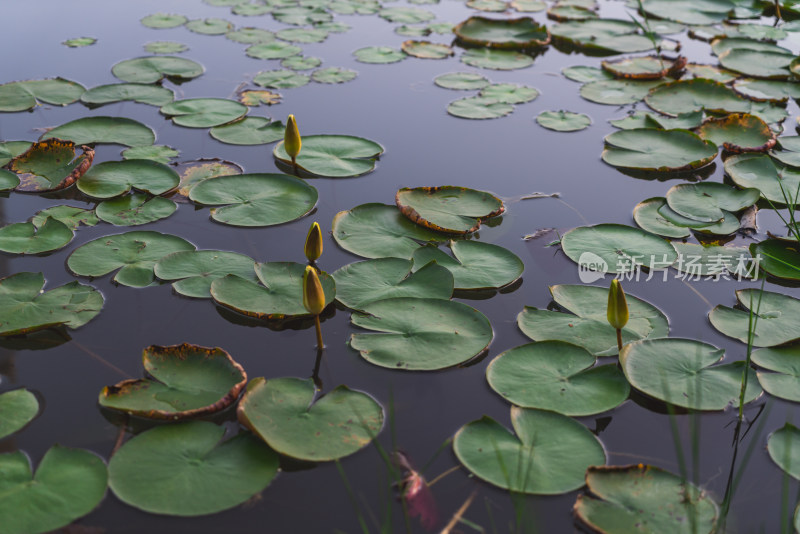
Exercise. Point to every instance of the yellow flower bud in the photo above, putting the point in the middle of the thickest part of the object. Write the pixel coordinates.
(313, 248)
(291, 138)
(313, 295)
(617, 306)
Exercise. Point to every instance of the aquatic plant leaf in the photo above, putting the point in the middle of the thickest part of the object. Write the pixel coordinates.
(510, 93)
(563, 13)
(689, 11)
(154, 95)
(617, 92)
(163, 20)
(165, 47)
(151, 69)
(461, 81)
(563, 121)
(103, 130)
(11, 149)
(280, 79)
(474, 264)
(784, 383)
(69, 215)
(728, 225)
(253, 98)
(759, 171)
(710, 72)
(8, 180)
(684, 96)
(582, 74)
(645, 498)
(564, 450)
(478, 107)
(114, 178)
(249, 131)
(286, 414)
(601, 36)
(158, 153)
(135, 209)
(489, 58)
(449, 209)
(183, 381)
(68, 484)
(712, 260)
(621, 248)
(757, 63)
(184, 470)
(251, 35)
(272, 50)
(255, 199)
(420, 334)
(658, 150)
(778, 257)
(558, 377)
(79, 42)
(210, 26)
(280, 296)
(251, 10)
(783, 446)
(333, 75)
(50, 165)
(302, 35)
(520, 33)
(193, 271)
(204, 112)
(301, 15)
(22, 96)
(766, 90)
(639, 68)
(426, 49)
(708, 201)
(133, 253)
(646, 215)
(379, 55)
(300, 63)
(589, 327)
(528, 6)
(25, 307)
(27, 238)
(333, 26)
(334, 156)
(194, 172)
(738, 132)
(492, 6)
(406, 15)
(18, 407)
(778, 318)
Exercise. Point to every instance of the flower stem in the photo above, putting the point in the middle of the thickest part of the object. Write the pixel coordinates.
(320, 344)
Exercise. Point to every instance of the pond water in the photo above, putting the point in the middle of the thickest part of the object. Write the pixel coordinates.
(398, 106)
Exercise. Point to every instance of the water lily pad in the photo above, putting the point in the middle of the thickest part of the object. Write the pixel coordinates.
(488, 58)
(776, 182)
(133, 253)
(300, 63)
(648, 218)
(79, 42)
(491, 6)
(354, 7)
(710, 260)
(154, 95)
(689, 11)
(28, 238)
(564, 450)
(183, 381)
(302, 35)
(426, 49)
(711, 72)
(249, 131)
(103, 130)
(682, 372)
(474, 264)
(413, 31)
(204, 112)
(184, 470)
(757, 63)
(255, 199)
(333, 26)
(26, 307)
(767, 90)
(11, 149)
(521, 33)
(17, 408)
(738, 132)
(250, 35)
(333, 75)
(461, 81)
(114, 178)
(563, 121)
(784, 383)
(210, 26)
(477, 107)
(280, 296)
(68, 484)
(648, 119)
(406, 15)
(163, 20)
(778, 318)
(778, 257)
(251, 10)
(379, 55)
(728, 225)
(8, 180)
(194, 172)
(135, 209)
(165, 47)
(685, 96)
(286, 414)
(193, 271)
(158, 153)
(645, 498)
(639, 68)
(151, 69)
(563, 13)
(301, 15)
(253, 98)
(658, 150)
(22, 96)
(50, 165)
(528, 6)
(706, 201)
(420, 334)
(617, 92)
(70, 215)
(272, 50)
(583, 74)
(510, 93)
(558, 377)
(601, 36)
(334, 156)
(280, 79)
(784, 449)
(449, 209)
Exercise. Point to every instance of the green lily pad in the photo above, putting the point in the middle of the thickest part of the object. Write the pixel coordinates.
(761, 32)
(712, 260)
(194, 172)
(658, 150)
(784, 449)
(70, 215)
(11, 149)
(135, 209)
(354, 7)
(778, 257)
(413, 31)
(22, 96)
(520, 33)
(302, 35)
(784, 383)
(766, 90)
(582, 74)
(757, 63)
(280, 296)
(449, 209)
(103, 130)
(163, 20)
(50, 165)
(333, 156)
(474, 264)
(710, 72)
(461, 81)
(488, 58)
(68, 484)
(644, 498)
(420, 334)
(251, 10)
(601, 36)
(776, 182)
(165, 47)
(184, 470)
(249, 131)
(250, 35)
(406, 15)
(17, 408)
(563, 13)
(28, 238)
(564, 450)
(255, 199)
(8, 180)
(79, 42)
(738, 132)
(477, 107)
(379, 55)
(158, 153)
(778, 318)
(684, 96)
(183, 381)
(510, 93)
(272, 50)
(689, 11)
(301, 63)
(617, 92)
(151, 69)
(204, 112)
(563, 121)
(492, 6)
(286, 414)
(193, 271)
(280, 79)
(647, 216)
(558, 377)
(528, 6)
(333, 26)
(301, 15)
(426, 49)
(114, 178)
(361, 283)
(26, 307)
(133, 253)
(119, 92)
(682, 372)
(210, 26)
(707, 201)
(333, 75)
(639, 68)
(589, 327)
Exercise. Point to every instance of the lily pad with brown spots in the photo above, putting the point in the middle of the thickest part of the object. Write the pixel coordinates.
(518, 33)
(194, 172)
(451, 209)
(426, 49)
(642, 68)
(738, 132)
(50, 165)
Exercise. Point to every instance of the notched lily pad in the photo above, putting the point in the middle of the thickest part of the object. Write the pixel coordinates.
(280, 79)
(658, 150)
(50, 165)
(784, 382)
(333, 75)
(684, 96)
(521, 33)
(192, 271)
(135, 209)
(563, 121)
(474, 264)
(461, 81)
(25, 95)
(449, 209)
(778, 318)
(254, 98)
(153, 95)
(426, 49)
(18, 407)
(103, 130)
(489, 58)
(249, 131)
(29, 238)
(204, 112)
(642, 68)
(333, 156)
(114, 178)
(151, 69)
(478, 107)
(194, 172)
(708, 201)
(738, 132)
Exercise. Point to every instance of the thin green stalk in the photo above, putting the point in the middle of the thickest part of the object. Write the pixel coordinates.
(361, 521)
(650, 34)
(752, 323)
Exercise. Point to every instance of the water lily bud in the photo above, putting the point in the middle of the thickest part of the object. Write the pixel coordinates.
(291, 138)
(313, 296)
(314, 243)
(617, 306)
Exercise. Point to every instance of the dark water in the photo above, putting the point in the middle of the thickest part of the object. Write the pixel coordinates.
(398, 106)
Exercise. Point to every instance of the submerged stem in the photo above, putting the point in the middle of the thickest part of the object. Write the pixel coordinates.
(320, 344)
